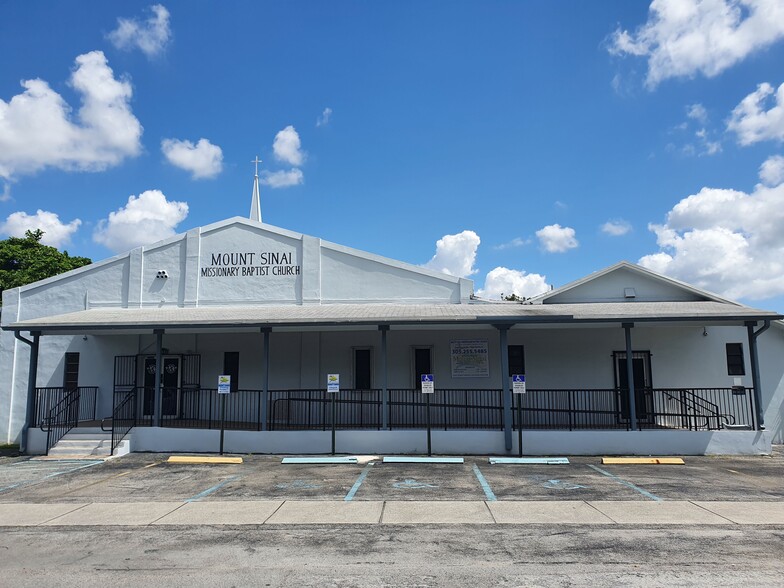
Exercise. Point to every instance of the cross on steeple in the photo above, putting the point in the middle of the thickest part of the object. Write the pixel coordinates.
(257, 161)
(255, 202)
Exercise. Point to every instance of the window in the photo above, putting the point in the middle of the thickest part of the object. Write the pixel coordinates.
(71, 371)
(516, 360)
(422, 365)
(362, 369)
(735, 365)
(231, 367)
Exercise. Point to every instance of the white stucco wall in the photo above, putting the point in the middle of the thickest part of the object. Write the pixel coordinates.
(611, 288)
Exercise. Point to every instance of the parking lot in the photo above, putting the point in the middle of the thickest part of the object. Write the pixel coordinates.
(715, 521)
(145, 477)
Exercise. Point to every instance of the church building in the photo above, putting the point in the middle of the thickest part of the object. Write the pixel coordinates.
(314, 335)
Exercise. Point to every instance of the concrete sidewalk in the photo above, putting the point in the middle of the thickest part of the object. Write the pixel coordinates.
(278, 512)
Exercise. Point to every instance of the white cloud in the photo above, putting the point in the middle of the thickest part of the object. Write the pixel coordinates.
(616, 228)
(697, 112)
(772, 170)
(287, 147)
(685, 37)
(323, 120)
(725, 241)
(752, 123)
(56, 233)
(557, 239)
(143, 220)
(37, 130)
(150, 35)
(282, 178)
(6, 195)
(506, 281)
(516, 242)
(203, 160)
(455, 254)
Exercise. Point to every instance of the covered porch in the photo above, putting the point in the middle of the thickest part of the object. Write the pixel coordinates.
(618, 395)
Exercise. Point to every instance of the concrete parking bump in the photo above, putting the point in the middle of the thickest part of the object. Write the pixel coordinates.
(422, 512)
(232, 512)
(319, 512)
(658, 513)
(528, 460)
(417, 459)
(202, 459)
(131, 514)
(643, 461)
(547, 512)
(25, 515)
(320, 460)
(747, 513)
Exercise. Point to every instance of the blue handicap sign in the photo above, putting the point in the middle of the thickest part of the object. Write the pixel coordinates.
(518, 378)
(427, 377)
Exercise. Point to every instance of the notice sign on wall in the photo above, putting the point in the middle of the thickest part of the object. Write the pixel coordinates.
(470, 359)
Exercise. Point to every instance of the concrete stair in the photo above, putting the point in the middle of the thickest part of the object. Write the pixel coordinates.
(78, 444)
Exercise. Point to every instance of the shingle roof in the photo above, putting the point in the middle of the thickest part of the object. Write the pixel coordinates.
(401, 314)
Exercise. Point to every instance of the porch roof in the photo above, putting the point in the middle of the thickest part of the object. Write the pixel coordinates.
(389, 314)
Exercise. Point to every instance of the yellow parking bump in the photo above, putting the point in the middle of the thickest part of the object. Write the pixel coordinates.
(203, 459)
(643, 460)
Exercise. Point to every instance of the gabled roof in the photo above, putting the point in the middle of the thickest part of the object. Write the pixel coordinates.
(635, 269)
(238, 220)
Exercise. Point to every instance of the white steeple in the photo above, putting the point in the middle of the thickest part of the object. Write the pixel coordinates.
(255, 204)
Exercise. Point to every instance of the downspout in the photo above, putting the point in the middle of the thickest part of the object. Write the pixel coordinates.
(755, 375)
(32, 377)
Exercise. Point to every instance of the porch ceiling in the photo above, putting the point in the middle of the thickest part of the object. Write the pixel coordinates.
(128, 319)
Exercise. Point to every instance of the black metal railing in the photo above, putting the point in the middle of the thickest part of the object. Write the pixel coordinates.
(704, 408)
(450, 409)
(62, 417)
(46, 398)
(124, 413)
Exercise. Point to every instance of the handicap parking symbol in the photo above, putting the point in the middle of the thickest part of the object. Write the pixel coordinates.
(412, 484)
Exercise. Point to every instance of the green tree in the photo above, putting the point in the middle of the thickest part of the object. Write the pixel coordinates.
(25, 259)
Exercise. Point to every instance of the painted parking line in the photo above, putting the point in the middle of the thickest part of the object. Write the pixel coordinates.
(212, 490)
(350, 496)
(483, 482)
(626, 483)
(78, 465)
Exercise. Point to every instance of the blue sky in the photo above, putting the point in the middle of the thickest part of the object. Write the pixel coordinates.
(494, 140)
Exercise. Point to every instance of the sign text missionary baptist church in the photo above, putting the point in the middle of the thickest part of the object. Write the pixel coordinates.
(250, 263)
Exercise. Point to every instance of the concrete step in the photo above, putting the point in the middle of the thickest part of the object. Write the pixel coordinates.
(87, 435)
(83, 444)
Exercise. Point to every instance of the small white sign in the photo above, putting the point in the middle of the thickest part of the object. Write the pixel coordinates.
(428, 386)
(224, 384)
(333, 382)
(518, 384)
